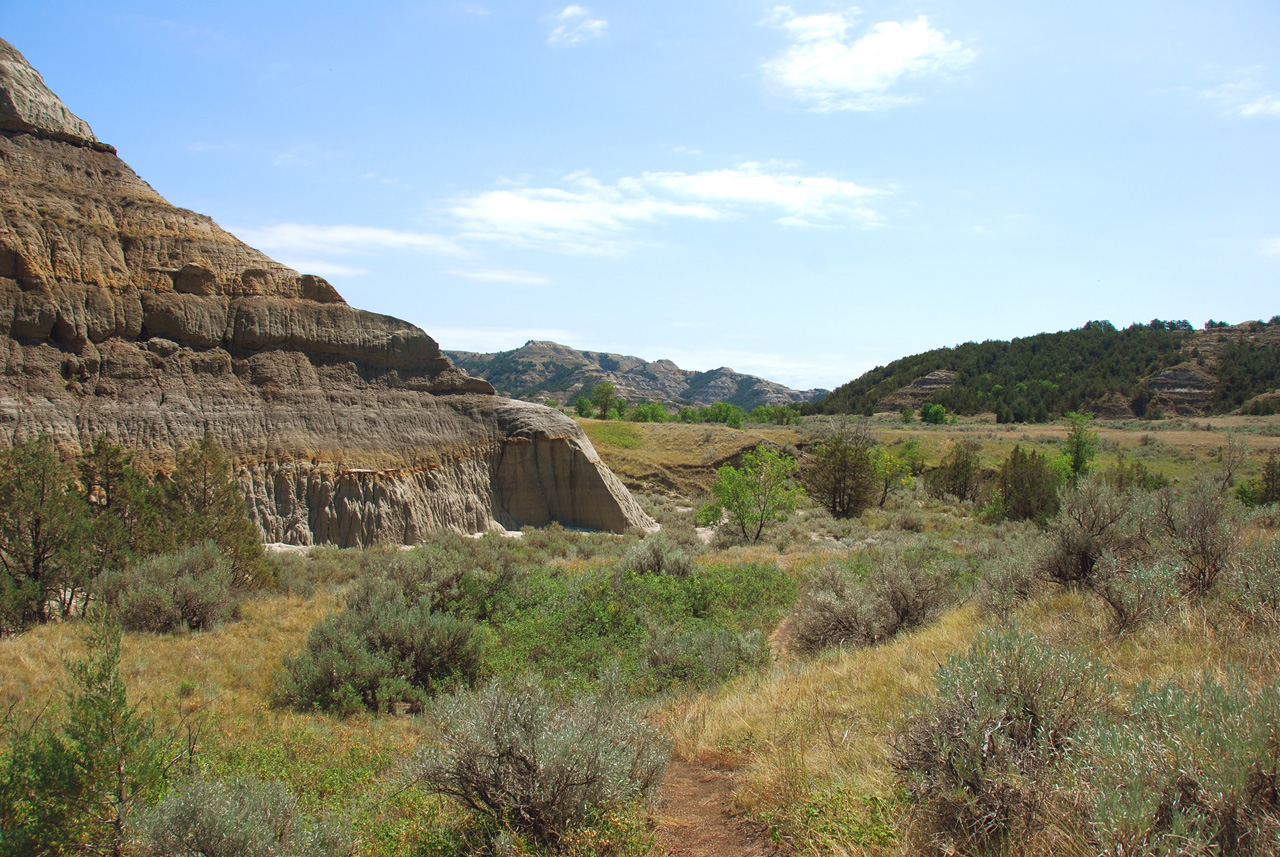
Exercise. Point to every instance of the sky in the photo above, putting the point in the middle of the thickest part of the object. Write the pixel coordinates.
(800, 191)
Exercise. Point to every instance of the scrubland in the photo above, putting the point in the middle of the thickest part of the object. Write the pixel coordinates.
(922, 678)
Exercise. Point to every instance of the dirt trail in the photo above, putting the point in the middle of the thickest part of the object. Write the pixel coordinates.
(694, 818)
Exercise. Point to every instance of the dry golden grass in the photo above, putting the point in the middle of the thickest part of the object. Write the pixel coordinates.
(677, 457)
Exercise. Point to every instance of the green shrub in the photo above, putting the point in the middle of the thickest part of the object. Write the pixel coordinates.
(1010, 577)
(979, 762)
(187, 589)
(701, 656)
(649, 412)
(657, 554)
(1187, 772)
(381, 651)
(241, 818)
(958, 474)
(510, 753)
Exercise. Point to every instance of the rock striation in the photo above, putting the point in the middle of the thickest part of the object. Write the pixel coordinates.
(121, 314)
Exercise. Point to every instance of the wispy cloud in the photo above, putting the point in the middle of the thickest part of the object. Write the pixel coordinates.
(574, 24)
(1246, 98)
(830, 69)
(1271, 247)
(587, 216)
(295, 238)
(496, 275)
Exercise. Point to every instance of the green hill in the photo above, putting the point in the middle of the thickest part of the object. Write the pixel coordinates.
(1157, 368)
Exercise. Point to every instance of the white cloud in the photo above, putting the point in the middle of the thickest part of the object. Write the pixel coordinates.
(575, 24)
(825, 67)
(589, 216)
(496, 275)
(1271, 246)
(1264, 105)
(286, 238)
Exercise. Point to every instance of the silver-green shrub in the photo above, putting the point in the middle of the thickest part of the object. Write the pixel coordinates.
(246, 817)
(513, 754)
(1187, 772)
(191, 588)
(979, 762)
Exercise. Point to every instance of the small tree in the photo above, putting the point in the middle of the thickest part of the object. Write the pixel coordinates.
(958, 473)
(582, 406)
(44, 536)
(1081, 443)
(892, 470)
(933, 414)
(83, 780)
(758, 493)
(842, 476)
(603, 397)
(1028, 487)
(123, 507)
(204, 502)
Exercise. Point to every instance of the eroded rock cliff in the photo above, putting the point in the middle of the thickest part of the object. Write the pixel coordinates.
(121, 314)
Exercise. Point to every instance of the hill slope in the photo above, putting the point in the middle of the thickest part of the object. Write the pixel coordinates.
(540, 370)
(1159, 367)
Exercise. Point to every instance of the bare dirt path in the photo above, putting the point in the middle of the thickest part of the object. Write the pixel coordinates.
(694, 818)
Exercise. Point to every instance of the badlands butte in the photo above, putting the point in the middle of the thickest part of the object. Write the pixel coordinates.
(126, 316)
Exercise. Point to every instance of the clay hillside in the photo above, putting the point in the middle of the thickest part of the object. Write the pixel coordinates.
(123, 315)
(547, 370)
(1161, 368)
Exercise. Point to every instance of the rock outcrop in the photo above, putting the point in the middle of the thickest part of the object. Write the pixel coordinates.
(920, 390)
(123, 315)
(540, 370)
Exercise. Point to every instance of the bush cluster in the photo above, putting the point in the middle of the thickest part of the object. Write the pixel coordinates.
(848, 607)
(189, 589)
(512, 754)
(245, 817)
(387, 647)
(980, 762)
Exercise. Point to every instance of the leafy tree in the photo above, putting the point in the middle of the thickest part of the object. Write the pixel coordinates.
(204, 501)
(782, 415)
(758, 493)
(649, 412)
(908, 415)
(603, 397)
(1081, 443)
(842, 475)
(933, 414)
(44, 536)
(892, 470)
(582, 405)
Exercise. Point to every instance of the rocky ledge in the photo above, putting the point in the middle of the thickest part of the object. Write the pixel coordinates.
(123, 315)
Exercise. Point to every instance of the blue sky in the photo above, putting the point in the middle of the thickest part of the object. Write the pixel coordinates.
(800, 191)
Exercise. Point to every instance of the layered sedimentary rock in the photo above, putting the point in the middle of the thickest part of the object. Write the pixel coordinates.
(123, 315)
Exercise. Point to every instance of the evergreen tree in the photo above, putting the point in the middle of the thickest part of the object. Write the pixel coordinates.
(44, 536)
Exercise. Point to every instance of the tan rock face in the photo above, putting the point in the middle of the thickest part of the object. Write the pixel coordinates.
(125, 316)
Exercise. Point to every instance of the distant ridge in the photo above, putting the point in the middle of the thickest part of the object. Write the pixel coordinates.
(547, 370)
(1159, 368)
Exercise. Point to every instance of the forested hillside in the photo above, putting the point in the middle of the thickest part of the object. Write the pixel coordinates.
(1037, 378)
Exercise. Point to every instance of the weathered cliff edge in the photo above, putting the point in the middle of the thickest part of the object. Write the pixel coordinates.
(123, 315)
